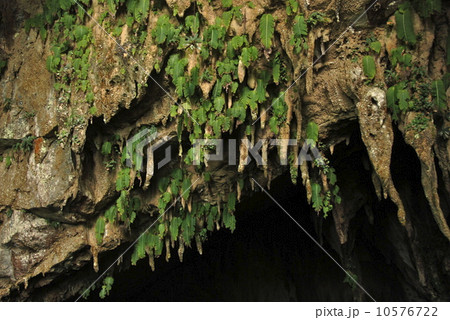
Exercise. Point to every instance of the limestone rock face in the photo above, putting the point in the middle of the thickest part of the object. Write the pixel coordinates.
(56, 181)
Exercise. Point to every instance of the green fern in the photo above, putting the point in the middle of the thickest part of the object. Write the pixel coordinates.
(291, 7)
(312, 131)
(106, 287)
(266, 28)
(99, 229)
(369, 67)
(316, 198)
(214, 36)
(106, 148)
(298, 39)
(439, 95)
(193, 23)
(405, 29)
(426, 8)
(248, 55)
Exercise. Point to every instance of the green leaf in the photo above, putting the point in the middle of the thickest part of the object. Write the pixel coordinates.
(266, 27)
(227, 3)
(238, 41)
(439, 95)
(186, 187)
(188, 227)
(214, 36)
(300, 26)
(232, 201)
(228, 219)
(332, 177)
(391, 98)
(396, 55)
(426, 8)
(193, 23)
(177, 174)
(106, 148)
(375, 46)
(315, 196)
(141, 9)
(161, 230)
(162, 29)
(111, 214)
(369, 67)
(106, 287)
(291, 7)
(298, 39)
(139, 249)
(80, 32)
(248, 55)
(65, 4)
(312, 131)
(405, 29)
(219, 103)
(99, 229)
(163, 183)
(123, 179)
(174, 227)
(403, 97)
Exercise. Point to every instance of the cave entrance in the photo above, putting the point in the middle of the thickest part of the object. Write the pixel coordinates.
(267, 258)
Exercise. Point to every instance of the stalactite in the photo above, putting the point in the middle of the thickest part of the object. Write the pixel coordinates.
(189, 204)
(283, 148)
(324, 182)
(243, 154)
(151, 261)
(254, 114)
(241, 71)
(94, 252)
(378, 137)
(198, 242)
(149, 168)
(251, 79)
(263, 116)
(252, 132)
(239, 191)
(423, 146)
(180, 248)
(167, 242)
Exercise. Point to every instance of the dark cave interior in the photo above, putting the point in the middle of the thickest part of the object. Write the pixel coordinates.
(269, 258)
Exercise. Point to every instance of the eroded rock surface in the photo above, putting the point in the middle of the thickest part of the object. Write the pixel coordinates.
(55, 188)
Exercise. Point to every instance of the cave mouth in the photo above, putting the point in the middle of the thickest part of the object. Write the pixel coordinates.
(267, 258)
